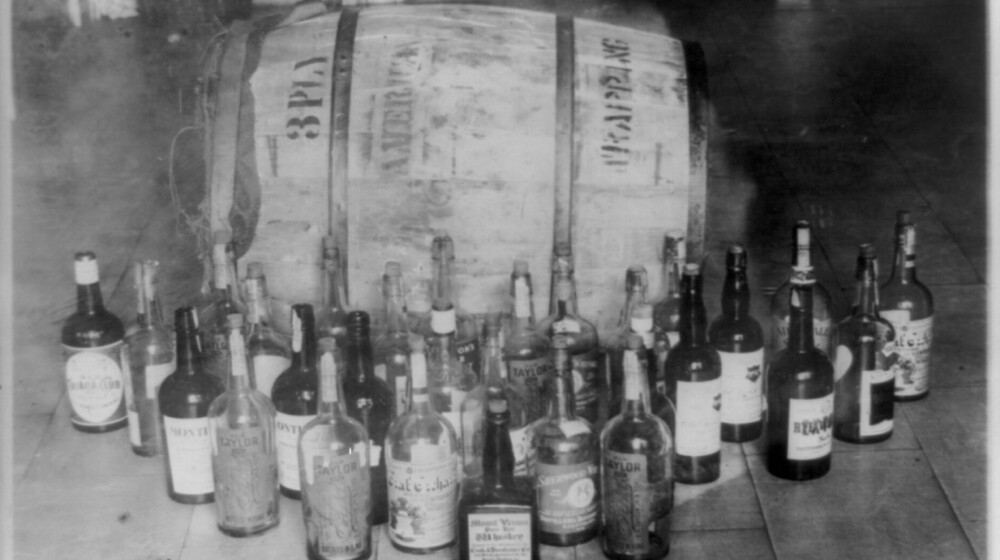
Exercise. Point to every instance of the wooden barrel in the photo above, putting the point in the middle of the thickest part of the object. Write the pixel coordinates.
(511, 129)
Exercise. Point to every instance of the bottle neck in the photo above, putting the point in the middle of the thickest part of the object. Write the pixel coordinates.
(866, 289)
(238, 368)
(736, 294)
(692, 326)
(88, 299)
(258, 312)
(359, 355)
(671, 275)
(498, 453)
(493, 365)
(303, 343)
(444, 278)
(395, 311)
(562, 404)
(524, 310)
(904, 268)
(635, 394)
(800, 322)
(188, 349)
(419, 397)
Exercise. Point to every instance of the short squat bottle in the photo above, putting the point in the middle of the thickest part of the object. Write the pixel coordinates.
(392, 346)
(332, 317)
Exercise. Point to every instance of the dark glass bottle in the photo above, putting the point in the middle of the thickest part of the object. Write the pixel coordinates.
(496, 515)
(332, 317)
(184, 398)
(667, 307)
(368, 400)
(295, 395)
(92, 340)
(392, 347)
(739, 340)
(636, 286)
(822, 312)
(526, 352)
(800, 395)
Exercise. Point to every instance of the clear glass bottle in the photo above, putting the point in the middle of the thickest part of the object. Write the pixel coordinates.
(150, 360)
(225, 301)
(636, 286)
(449, 379)
(335, 471)
(564, 462)
(423, 461)
(332, 318)
(93, 350)
(244, 451)
(739, 340)
(909, 306)
(184, 399)
(637, 475)
(496, 514)
(526, 352)
(269, 351)
(295, 394)
(863, 394)
(667, 307)
(822, 312)
(392, 347)
(467, 344)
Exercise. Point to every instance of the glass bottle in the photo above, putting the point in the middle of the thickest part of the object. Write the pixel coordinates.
(332, 319)
(909, 306)
(93, 350)
(184, 399)
(636, 286)
(496, 515)
(392, 347)
(800, 395)
(739, 340)
(822, 312)
(443, 295)
(636, 471)
(423, 463)
(268, 350)
(368, 400)
(667, 309)
(562, 265)
(225, 301)
(863, 394)
(526, 352)
(564, 461)
(294, 395)
(449, 380)
(150, 359)
(335, 471)
(244, 453)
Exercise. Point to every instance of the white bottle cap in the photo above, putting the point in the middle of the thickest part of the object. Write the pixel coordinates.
(443, 322)
(85, 269)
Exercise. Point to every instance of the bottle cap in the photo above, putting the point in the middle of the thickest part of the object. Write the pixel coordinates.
(633, 342)
(497, 406)
(255, 270)
(85, 268)
(443, 247)
(443, 320)
(692, 269)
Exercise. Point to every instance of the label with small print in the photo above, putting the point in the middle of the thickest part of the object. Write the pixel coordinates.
(499, 536)
(287, 430)
(520, 444)
(627, 503)
(913, 352)
(246, 477)
(698, 417)
(423, 502)
(810, 428)
(877, 389)
(155, 375)
(586, 370)
(266, 369)
(742, 381)
(189, 453)
(338, 497)
(567, 497)
(95, 384)
(529, 376)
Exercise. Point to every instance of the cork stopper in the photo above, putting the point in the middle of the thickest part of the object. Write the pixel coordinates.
(255, 270)
(633, 342)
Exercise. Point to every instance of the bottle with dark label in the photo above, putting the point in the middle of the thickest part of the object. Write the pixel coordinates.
(269, 351)
(332, 317)
(564, 462)
(368, 400)
(636, 286)
(244, 453)
(636, 471)
(496, 515)
(449, 380)
(225, 301)
(667, 307)
(423, 463)
(800, 395)
(294, 395)
(526, 351)
(335, 472)
(863, 399)
(909, 306)
(443, 296)
(392, 347)
(184, 398)
(92, 340)
(822, 312)
(150, 360)
(739, 341)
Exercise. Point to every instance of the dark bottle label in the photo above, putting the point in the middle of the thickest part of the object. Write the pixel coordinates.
(567, 497)
(246, 478)
(337, 501)
(586, 374)
(877, 392)
(468, 353)
(627, 503)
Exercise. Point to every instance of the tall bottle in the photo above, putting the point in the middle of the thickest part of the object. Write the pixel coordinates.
(92, 340)
(667, 309)
(800, 395)
(295, 394)
(424, 463)
(225, 301)
(636, 286)
(694, 372)
(268, 350)
(392, 347)
(335, 471)
(909, 306)
(443, 295)
(496, 515)
(739, 341)
(184, 399)
(822, 312)
(863, 399)
(150, 359)
(526, 351)
(564, 461)
(244, 452)
(368, 400)
(332, 319)
(637, 471)
(449, 379)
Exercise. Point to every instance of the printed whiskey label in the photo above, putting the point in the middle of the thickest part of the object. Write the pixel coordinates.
(468, 353)
(499, 536)
(287, 430)
(189, 454)
(877, 390)
(586, 372)
(246, 477)
(627, 503)
(423, 500)
(742, 380)
(337, 497)
(567, 497)
(810, 428)
(95, 384)
(529, 376)
(266, 369)
(698, 416)
(913, 352)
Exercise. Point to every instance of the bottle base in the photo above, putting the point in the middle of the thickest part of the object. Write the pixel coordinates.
(697, 469)
(411, 550)
(146, 451)
(853, 437)
(797, 471)
(289, 493)
(102, 428)
(555, 539)
(244, 532)
(911, 398)
(742, 433)
(192, 499)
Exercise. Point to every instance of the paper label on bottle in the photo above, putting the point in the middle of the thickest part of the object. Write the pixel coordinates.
(499, 536)
(742, 382)
(567, 497)
(822, 331)
(400, 395)
(586, 382)
(699, 431)
(572, 428)
(520, 444)
(810, 428)
(95, 384)
(266, 369)
(529, 377)
(337, 500)
(913, 354)
(246, 477)
(423, 502)
(134, 433)
(566, 326)
(155, 375)
(287, 430)
(189, 455)
(627, 502)
(877, 390)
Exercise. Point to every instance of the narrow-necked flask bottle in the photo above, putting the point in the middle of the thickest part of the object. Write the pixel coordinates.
(392, 347)
(225, 301)
(449, 379)
(443, 290)
(526, 351)
(269, 351)
(636, 286)
(822, 311)
(332, 317)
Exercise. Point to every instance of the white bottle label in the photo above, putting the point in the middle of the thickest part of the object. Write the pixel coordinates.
(913, 352)
(374, 454)
(266, 369)
(499, 536)
(423, 502)
(874, 421)
(287, 429)
(189, 450)
(742, 379)
(95, 384)
(155, 376)
(810, 428)
(698, 417)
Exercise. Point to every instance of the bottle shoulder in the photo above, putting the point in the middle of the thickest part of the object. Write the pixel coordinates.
(249, 403)
(92, 329)
(333, 433)
(725, 332)
(184, 388)
(295, 392)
